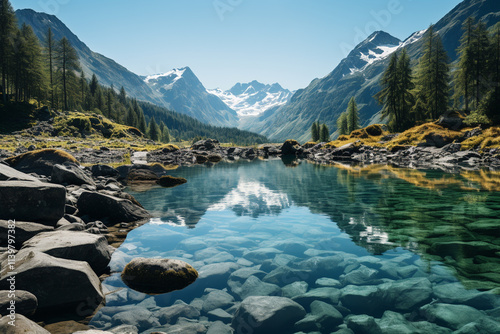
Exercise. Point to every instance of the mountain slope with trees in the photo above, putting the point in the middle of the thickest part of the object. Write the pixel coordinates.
(325, 99)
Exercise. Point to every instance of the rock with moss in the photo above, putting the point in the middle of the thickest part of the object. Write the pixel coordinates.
(168, 181)
(290, 147)
(142, 175)
(157, 276)
(40, 161)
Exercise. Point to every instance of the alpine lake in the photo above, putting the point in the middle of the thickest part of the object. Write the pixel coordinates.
(374, 249)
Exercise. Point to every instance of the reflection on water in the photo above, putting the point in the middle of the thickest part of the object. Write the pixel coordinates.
(383, 223)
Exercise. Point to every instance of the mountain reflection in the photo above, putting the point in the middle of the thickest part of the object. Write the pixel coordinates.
(452, 218)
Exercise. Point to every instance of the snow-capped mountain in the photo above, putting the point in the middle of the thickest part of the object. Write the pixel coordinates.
(182, 91)
(253, 98)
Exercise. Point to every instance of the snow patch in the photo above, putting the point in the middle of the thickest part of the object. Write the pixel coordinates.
(175, 75)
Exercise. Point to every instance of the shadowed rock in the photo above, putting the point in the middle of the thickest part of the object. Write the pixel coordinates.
(157, 276)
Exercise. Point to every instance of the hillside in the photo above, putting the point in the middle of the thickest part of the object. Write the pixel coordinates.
(359, 75)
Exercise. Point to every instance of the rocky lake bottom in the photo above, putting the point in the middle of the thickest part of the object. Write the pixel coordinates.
(315, 249)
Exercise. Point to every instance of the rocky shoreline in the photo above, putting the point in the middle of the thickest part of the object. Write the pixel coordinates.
(70, 218)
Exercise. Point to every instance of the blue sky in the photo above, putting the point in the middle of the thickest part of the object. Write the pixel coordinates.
(228, 41)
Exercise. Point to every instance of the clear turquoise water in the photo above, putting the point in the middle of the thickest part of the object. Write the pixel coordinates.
(426, 243)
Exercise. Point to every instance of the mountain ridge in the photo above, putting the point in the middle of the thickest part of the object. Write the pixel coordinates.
(324, 99)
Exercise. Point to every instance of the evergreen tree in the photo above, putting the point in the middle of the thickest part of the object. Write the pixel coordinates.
(342, 124)
(463, 74)
(324, 133)
(141, 122)
(131, 117)
(93, 85)
(8, 30)
(352, 116)
(315, 131)
(99, 101)
(406, 98)
(153, 130)
(83, 85)
(67, 63)
(50, 45)
(122, 97)
(388, 96)
(165, 134)
(433, 76)
(482, 54)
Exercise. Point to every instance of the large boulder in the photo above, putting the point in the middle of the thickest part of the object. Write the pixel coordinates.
(156, 276)
(25, 302)
(80, 246)
(32, 201)
(290, 147)
(104, 170)
(58, 284)
(451, 316)
(21, 325)
(266, 315)
(40, 161)
(70, 173)
(115, 210)
(10, 174)
(24, 232)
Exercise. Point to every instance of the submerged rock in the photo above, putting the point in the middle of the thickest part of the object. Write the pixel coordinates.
(157, 276)
(168, 181)
(266, 315)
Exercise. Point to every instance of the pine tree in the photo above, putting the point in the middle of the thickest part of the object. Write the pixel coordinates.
(406, 98)
(324, 133)
(388, 96)
(141, 123)
(165, 134)
(8, 30)
(342, 124)
(352, 116)
(99, 101)
(83, 85)
(495, 63)
(463, 74)
(482, 53)
(315, 131)
(50, 46)
(153, 130)
(67, 63)
(433, 76)
(122, 97)
(93, 85)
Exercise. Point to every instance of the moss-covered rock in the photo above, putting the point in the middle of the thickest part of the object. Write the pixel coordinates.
(157, 276)
(40, 161)
(171, 181)
(290, 147)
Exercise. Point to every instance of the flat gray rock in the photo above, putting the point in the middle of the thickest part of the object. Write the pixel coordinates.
(22, 325)
(24, 232)
(80, 246)
(56, 283)
(32, 201)
(266, 315)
